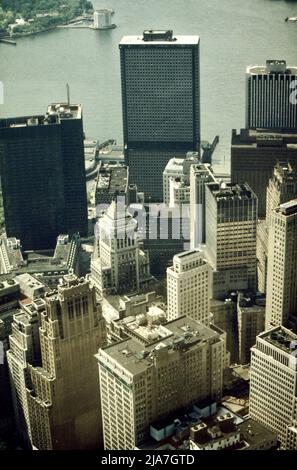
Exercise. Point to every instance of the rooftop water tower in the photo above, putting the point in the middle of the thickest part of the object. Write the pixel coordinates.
(102, 19)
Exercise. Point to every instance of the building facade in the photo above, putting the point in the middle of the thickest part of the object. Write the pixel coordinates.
(140, 384)
(268, 96)
(119, 265)
(282, 188)
(189, 287)
(200, 175)
(64, 409)
(161, 104)
(273, 379)
(281, 304)
(254, 154)
(231, 223)
(43, 176)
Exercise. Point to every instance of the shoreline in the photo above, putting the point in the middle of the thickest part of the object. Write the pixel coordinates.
(44, 30)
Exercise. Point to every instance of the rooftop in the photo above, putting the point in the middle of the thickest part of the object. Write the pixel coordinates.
(182, 333)
(229, 190)
(281, 338)
(178, 40)
(288, 208)
(272, 67)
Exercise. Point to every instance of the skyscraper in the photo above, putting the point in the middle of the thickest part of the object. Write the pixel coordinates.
(282, 188)
(200, 175)
(231, 223)
(62, 392)
(281, 298)
(189, 287)
(273, 383)
(254, 154)
(119, 265)
(142, 383)
(268, 96)
(161, 104)
(43, 176)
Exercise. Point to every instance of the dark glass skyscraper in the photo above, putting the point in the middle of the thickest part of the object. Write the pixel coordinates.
(43, 176)
(161, 104)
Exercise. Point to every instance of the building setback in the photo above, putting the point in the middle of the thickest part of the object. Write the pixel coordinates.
(43, 176)
(161, 104)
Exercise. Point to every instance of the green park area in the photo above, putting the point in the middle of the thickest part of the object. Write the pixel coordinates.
(19, 17)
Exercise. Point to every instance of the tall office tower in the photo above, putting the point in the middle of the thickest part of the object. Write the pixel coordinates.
(189, 287)
(282, 188)
(43, 176)
(119, 265)
(63, 402)
(231, 225)
(142, 383)
(24, 349)
(200, 175)
(161, 104)
(273, 382)
(269, 92)
(281, 298)
(254, 154)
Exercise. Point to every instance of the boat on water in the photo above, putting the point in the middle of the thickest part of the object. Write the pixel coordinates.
(293, 19)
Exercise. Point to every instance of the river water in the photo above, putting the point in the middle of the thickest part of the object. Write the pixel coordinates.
(234, 34)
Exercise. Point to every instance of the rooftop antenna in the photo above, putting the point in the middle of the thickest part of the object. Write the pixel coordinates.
(68, 94)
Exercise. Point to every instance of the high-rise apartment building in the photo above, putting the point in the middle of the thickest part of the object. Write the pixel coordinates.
(142, 383)
(119, 265)
(273, 383)
(43, 176)
(231, 224)
(161, 104)
(282, 188)
(189, 287)
(254, 154)
(281, 298)
(269, 90)
(200, 175)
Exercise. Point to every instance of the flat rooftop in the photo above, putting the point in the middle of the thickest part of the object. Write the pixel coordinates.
(282, 338)
(272, 67)
(288, 208)
(230, 190)
(179, 41)
(183, 333)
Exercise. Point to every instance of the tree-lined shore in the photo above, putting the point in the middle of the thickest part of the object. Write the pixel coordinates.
(23, 17)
